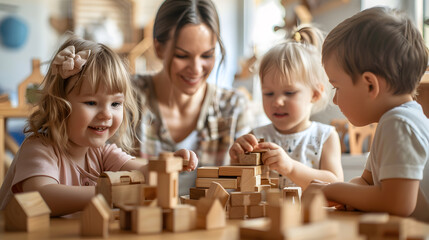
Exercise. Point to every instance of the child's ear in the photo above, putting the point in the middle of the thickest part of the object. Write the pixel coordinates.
(159, 48)
(317, 93)
(372, 83)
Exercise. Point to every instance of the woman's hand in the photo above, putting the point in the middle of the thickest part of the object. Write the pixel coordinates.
(188, 156)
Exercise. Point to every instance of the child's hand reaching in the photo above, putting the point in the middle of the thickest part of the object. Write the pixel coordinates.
(188, 156)
(245, 143)
(276, 158)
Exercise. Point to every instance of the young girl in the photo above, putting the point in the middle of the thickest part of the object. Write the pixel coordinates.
(294, 85)
(86, 100)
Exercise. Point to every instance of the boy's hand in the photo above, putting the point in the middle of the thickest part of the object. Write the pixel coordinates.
(245, 143)
(188, 156)
(276, 158)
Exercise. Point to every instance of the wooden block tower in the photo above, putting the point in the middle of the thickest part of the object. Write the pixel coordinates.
(167, 167)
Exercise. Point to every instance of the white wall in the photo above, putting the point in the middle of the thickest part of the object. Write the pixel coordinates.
(15, 64)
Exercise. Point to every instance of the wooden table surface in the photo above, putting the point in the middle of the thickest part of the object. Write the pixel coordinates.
(68, 228)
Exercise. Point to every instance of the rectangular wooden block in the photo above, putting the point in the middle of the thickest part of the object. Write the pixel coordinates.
(248, 181)
(227, 183)
(173, 164)
(256, 211)
(249, 159)
(240, 198)
(197, 193)
(184, 199)
(167, 189)
(208, 172)
(235, 171)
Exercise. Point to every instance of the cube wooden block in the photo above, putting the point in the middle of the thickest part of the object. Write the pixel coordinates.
(256, 211)
(181, 218)
(292, 193)
(208, 172)
(146, 220)
(227, 183)
(235, 171)
(197, 193)
(237, 212)
(238, 198)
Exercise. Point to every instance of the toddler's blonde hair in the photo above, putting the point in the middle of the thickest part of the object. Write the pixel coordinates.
(299, 59)
(103, 66)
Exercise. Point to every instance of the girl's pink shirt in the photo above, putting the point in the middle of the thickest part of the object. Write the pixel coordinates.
(36, 158)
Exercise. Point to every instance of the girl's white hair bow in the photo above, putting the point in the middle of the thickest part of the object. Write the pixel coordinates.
(67, 63)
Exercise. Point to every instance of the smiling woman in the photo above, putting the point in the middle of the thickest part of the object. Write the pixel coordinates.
(180, 109)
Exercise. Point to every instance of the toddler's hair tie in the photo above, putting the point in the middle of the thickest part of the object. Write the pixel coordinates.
(67, 63)
(297, 36)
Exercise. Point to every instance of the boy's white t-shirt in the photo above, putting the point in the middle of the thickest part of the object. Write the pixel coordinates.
(401, 150)
(35, 158)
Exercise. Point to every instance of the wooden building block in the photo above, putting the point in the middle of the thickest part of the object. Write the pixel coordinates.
(148, 192)
(146, 220)
(238, 198)
(274, 197)
(227, 183)
(249, 181)
(95, 218)
(249, 159)
(237, 212)
(283, 216)
(274, 182)
(185, 199)
(125, 212)
(256, 211)
(217, 191)
(197, 193)
(210, 214)
(292, 193)
(380, 225)
(313, 204)
(235, 171)
(262, 188)
(167, 190)
(173, 164)
(122, 187)
(181, 218)
(26, 212)
(208, 172)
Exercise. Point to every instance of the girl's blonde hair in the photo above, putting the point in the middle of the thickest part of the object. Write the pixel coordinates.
(299, 59)
(103, 66)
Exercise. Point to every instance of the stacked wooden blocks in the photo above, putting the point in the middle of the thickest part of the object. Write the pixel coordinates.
(285, 220)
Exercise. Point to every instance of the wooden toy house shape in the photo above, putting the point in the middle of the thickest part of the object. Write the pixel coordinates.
(26, 212)
(95, 218)
(122, 187)
(210, 214)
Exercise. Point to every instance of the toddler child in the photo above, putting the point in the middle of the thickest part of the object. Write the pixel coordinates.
(294, 85)
(86, 100)
(375, 61)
